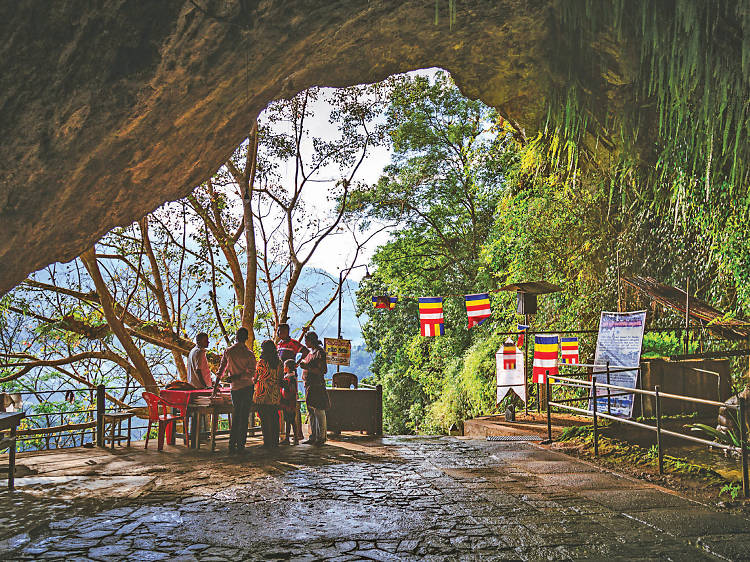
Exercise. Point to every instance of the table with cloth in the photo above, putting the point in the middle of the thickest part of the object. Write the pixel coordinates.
(195, 403)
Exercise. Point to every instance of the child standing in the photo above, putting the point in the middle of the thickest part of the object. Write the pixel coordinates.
(289, 400)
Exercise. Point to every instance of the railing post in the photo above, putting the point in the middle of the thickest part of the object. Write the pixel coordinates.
(596, 426)
(609, 392)
(658, 430)
(100, 405)
(549, 415)
(538, 398)
(379, 410)
(743, 445)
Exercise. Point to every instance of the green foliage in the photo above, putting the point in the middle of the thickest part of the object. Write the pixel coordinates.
(476, 211)
(679, 77)
(443, 186)
(661, 344)
(730, 437)
(731, 488)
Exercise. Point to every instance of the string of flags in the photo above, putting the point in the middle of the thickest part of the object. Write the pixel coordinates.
(431, 319)
(547, 347)
(511, 371)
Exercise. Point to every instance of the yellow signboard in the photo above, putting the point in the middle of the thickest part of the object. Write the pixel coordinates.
(339, 352)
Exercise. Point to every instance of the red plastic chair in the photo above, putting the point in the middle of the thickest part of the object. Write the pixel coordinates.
(164, 419)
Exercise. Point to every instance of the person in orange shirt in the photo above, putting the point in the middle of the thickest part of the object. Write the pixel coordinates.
(239, 361)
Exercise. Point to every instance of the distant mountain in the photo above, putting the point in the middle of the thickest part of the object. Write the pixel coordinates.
(318, 288)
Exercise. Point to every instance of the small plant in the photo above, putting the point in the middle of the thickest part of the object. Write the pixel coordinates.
(730, 437)
(733, 489)
(653, 452)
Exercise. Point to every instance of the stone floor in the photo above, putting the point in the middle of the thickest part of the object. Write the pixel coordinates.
(395, 498)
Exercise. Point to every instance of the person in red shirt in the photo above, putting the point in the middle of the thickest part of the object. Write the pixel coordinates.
(289, 348)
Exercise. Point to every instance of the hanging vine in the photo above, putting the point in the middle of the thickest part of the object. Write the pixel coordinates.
(672, 98)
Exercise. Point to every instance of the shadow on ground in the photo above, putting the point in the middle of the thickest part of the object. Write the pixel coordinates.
(355, 498)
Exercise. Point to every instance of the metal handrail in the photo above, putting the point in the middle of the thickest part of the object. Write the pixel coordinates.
(594, 398)
(694, 399)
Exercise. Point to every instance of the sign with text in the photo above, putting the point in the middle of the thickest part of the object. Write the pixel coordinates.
(619, 344)
(339, 352)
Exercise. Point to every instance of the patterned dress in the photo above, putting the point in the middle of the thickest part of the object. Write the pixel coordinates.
(267, 384)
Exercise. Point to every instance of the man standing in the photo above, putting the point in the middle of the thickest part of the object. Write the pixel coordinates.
(288, 349)
(199, 374)
(240, 362)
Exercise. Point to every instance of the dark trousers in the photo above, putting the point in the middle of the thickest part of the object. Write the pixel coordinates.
(269, 421)
(242, 401)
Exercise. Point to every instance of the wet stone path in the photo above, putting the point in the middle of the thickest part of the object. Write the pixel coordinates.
(392, 499)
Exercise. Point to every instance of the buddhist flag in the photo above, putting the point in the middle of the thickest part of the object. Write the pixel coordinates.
(509, 355)
(431, 322)
(546, 347)
(511, 374)
(477, 308)
(569, 351)
(384, 301)
(521, 337)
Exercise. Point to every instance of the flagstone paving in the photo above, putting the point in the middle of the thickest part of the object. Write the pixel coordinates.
(398, 498)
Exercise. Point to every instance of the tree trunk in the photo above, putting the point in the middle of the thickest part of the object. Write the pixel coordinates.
(159, 293)
(142, 370)
(251, 252)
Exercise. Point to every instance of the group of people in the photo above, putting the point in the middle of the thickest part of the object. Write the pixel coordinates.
(270, 384)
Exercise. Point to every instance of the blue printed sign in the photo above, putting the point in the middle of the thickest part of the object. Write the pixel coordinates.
(619, 344)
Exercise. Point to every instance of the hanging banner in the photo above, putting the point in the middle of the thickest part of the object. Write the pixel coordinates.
(619, 343)
(569, 351)
(477, 308)
(521, 334)
(510, 371)
(431, 320)
(546, 349)
(385, 301)
(338, 352)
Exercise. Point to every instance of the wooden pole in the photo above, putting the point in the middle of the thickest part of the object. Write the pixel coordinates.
(526, 362)
(100, 409)
(549, 414)
(743, 444)
(596, 424)
(687, 316)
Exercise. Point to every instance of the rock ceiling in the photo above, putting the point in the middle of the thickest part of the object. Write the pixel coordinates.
(108, 112)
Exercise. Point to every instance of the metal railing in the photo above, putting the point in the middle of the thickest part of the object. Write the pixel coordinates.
(78, 427)
(593, 397)
(90, 422)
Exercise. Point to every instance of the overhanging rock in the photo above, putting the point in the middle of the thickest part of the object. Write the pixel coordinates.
(108, 112)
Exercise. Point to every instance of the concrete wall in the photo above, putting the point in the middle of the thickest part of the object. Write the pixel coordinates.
(680, 377)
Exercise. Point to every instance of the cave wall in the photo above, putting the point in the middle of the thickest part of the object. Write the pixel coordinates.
(107, 112)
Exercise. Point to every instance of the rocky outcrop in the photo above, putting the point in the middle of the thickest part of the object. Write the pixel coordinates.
(108, 112)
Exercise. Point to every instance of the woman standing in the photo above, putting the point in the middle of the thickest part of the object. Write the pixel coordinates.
(313, 374)
(267, 395)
